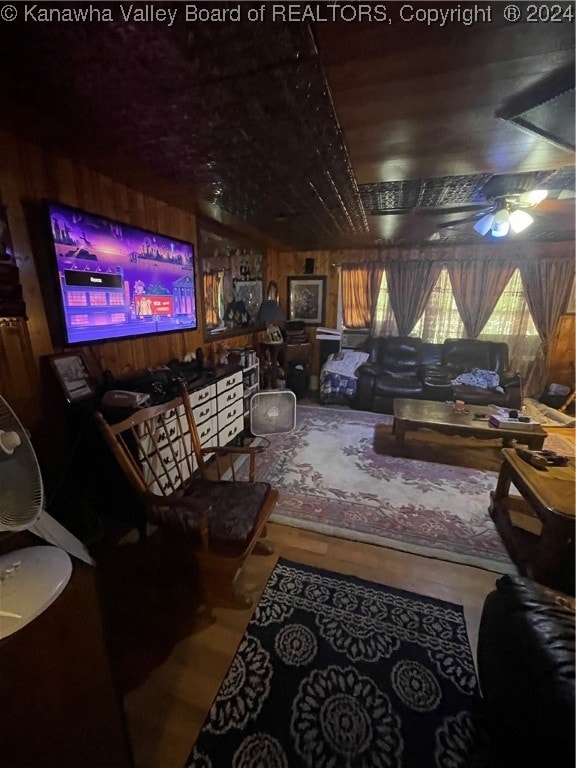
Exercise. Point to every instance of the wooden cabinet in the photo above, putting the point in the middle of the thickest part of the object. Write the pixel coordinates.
(218, 410)
(60, 706)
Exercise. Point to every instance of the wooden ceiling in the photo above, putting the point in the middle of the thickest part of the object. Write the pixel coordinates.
(295, 129)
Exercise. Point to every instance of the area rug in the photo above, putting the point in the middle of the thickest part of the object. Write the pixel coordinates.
(335, 672)
(331, 480)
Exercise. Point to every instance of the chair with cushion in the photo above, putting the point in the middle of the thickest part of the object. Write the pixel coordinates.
(209, 519)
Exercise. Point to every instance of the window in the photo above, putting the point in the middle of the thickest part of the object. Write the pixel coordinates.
(510, 322)
(440, 320)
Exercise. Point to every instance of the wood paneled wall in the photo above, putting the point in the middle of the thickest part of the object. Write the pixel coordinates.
(282, 265)
(29, 175)
(562, 352)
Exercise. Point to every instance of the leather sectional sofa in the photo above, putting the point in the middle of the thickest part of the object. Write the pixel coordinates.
(407, 367)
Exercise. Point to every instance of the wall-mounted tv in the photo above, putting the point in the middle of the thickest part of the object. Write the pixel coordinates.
(117, 281)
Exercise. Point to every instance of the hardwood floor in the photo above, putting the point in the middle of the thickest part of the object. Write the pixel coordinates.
(167, 710)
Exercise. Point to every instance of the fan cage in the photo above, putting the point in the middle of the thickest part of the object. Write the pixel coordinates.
(21, 488)
(272, 412)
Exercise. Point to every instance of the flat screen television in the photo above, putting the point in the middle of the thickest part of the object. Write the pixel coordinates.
(117, 281)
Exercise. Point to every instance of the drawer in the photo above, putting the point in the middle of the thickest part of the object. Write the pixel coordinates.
(228, 382)
(208, 431)
(204, 411)
(228, 415)
(212, 441)
(202, 395)
(167, 481)
(229, 433)
(229, 397)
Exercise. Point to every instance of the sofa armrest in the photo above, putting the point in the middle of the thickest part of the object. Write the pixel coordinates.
(526, 667)
(368, 368)
(367, 374)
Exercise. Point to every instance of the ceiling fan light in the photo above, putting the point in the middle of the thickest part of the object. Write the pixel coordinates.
(484, 224)
(534, 197)
(519, 220)
(501, 223)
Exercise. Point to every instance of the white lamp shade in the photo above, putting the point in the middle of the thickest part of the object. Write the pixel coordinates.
(501, 223)
(484, 225)
(519, 220)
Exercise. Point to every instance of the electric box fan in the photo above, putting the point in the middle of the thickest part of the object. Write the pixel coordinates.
(33, 577)
(272, 412)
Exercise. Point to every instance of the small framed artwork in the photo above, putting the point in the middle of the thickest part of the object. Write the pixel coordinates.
(73, 376)
(250, 292)
(307, 299)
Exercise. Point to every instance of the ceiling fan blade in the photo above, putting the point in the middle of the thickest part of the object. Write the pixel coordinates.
(478, 215)
(449, 210)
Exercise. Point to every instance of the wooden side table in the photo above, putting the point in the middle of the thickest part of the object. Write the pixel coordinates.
(538, 527)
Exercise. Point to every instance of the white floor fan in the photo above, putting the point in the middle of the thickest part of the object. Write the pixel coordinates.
(272, 412)
(33, 577)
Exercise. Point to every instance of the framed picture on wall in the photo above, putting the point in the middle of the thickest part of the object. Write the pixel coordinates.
(72, 375)
(250, 292)
(307, 299)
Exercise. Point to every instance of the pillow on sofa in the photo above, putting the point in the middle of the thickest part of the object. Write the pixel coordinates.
(478, 377)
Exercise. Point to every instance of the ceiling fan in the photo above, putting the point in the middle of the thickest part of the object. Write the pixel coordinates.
(507, 197)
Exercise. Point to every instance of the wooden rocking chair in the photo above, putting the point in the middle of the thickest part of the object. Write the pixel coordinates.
(206, 521)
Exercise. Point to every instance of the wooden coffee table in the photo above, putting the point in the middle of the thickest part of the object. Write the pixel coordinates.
(410, 415)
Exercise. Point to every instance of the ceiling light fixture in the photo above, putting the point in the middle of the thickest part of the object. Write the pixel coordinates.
(503, 222)
(534, 197)
(519, 220)
(484, 225)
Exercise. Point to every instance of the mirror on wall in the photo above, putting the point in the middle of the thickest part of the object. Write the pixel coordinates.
(232, 270)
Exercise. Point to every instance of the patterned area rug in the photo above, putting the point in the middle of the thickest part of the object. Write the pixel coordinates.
(335, 672)
(331, 480)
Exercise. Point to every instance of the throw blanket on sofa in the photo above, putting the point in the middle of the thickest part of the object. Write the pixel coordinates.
(478, 377)
(338, 377)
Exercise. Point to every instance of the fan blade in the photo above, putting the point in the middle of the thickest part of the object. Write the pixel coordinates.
(449, 210)
(448, 224)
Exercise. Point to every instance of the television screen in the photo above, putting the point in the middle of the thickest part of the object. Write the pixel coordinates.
(116, 280)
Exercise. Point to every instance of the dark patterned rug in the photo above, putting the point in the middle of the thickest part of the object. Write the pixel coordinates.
(336, 672)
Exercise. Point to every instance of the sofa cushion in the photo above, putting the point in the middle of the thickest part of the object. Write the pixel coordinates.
(400, 355)
(431, 353)
(461, 355)
(498, 356)
(397, 386)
